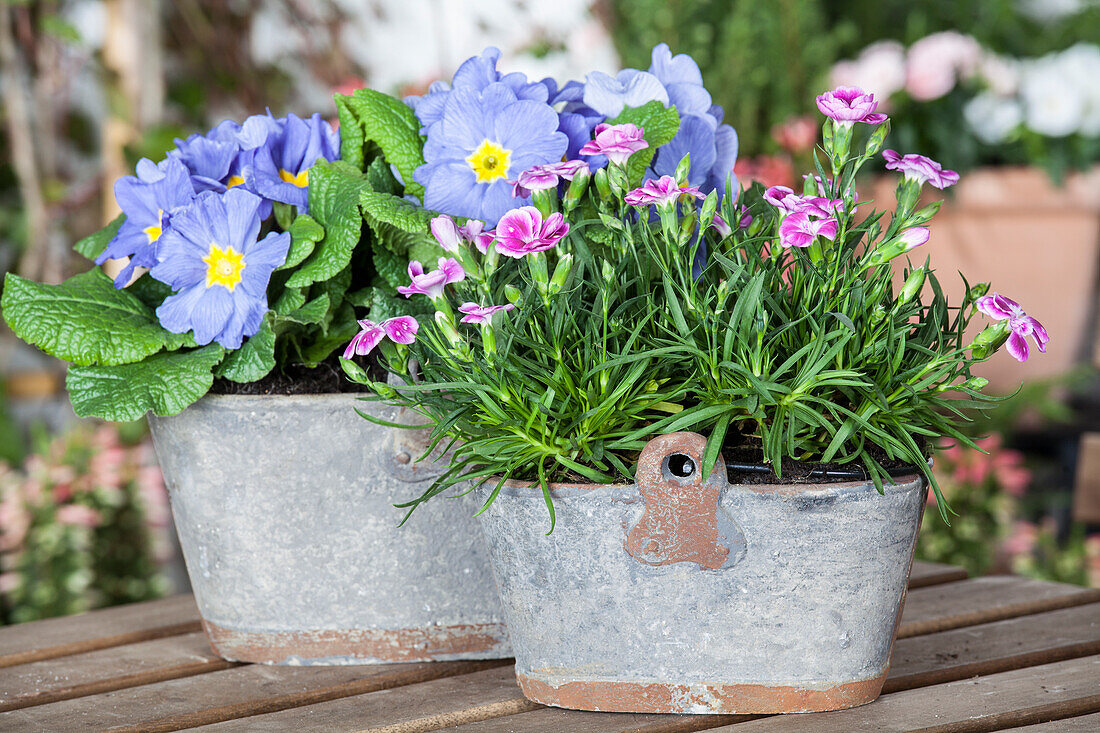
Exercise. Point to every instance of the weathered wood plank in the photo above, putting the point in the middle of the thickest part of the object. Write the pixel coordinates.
(420, 707)
(1081, 724)
(63, 678)
(999, 646)
(925, 574)
(102, 629)
(1006, 700)
(575, 721)
(229, 694)
(981, 600)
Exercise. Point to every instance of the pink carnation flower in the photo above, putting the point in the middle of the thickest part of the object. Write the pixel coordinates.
(78, 515)
(617, 142)
(543, 177)
(999, 308)
(522, 231)
(914, 237)
(800, 229)
(481, 314)
(400, 330)
(432, 283)
(663, 192)
(920, 168)
(848, 105)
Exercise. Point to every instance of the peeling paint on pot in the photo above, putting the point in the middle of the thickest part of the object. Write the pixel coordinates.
(284, 508)
(677, 595)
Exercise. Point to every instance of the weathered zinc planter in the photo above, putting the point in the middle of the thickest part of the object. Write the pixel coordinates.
(284, 507)
(677, 595)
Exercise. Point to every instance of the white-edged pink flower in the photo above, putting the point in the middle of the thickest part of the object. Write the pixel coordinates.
(848, 105)
(783, 198)
(399, 329)
(617, 142)
(723, 228)
(522, 231)
(1000, 308)
(914, 237)
(481, 314)
(920, 168)
(800, 229)
(788, 202)
(432, 283)
(543, 177)
(663, 191)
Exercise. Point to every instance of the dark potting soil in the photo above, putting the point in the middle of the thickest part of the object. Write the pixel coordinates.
(745, 465)
(325, 378)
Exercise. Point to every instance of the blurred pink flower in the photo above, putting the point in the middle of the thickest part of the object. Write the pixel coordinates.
(1022, 539)
(797, 134)
(78, 515)
(935, 63)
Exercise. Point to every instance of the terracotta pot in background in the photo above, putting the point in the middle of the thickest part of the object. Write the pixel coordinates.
(682, 595)
(1037, 243)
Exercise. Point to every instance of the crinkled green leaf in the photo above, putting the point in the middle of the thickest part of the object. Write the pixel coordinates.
(368, 116)
(312, 312)
(254, 360)
(343, 327)
(659, 125)
(396, 211)
(93, 245)
(149, 290)
(305, 233)
(164, 383)
(334, 190)
(380, 177)
(291, 299)
(392, 268)
(84, 320)
(426, 252)
(361, 298)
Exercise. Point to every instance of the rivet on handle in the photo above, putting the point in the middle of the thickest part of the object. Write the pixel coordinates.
(682, 521)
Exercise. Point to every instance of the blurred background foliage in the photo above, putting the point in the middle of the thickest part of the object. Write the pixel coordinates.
(91, 86)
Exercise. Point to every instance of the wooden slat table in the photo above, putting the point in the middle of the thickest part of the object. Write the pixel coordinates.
(979, 654)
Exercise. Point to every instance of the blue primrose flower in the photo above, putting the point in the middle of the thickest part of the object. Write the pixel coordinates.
(279, 167)
(210, 157)
(149, 200)
(218, 268)
(483, 140)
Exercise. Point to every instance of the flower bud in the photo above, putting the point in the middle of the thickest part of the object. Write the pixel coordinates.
(512, 293)
(908, 192)
(687, 228)
(878, 138)
(924, 215)
(616, 178)
(710, 206)
(991, 338)
(912, 285)
(976, 291)
(975, 383)
(682, 169)
(576, 189)
(544, 201)
(602, 184)
(607, 271)
(561, 273)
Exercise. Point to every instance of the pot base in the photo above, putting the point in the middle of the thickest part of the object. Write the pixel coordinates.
(360, 646)
(614, 696)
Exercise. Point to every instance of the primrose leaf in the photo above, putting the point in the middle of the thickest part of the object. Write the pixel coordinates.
(312, 312)
(93, 245)
(396, 211)
(334, 190)
(305, 233)
(368, 116)
(165, 383)
(254, 360)
(84, 320)
(291, 299)
(659, 124)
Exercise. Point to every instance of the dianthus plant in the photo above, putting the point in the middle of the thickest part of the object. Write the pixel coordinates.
(622, 305)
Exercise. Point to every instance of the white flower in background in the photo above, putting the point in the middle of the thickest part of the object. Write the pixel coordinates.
(1047, 10)
(1000, 73)
(936, 63)
(879, 69)
(1053, 105)
(1080, 64)
(992, 117)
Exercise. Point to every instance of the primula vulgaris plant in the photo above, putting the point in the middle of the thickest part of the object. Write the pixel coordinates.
(622, 304)
(244, 253)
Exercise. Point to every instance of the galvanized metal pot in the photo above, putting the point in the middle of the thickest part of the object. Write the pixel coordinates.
(284, 508)
(683, 595)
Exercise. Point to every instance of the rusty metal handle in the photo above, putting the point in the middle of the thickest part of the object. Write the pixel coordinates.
(682, 521)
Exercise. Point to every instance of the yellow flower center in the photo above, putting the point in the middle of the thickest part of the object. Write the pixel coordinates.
(156, 230)
(223, 267)
(490, 161)
(236, 181)
(301, 180)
